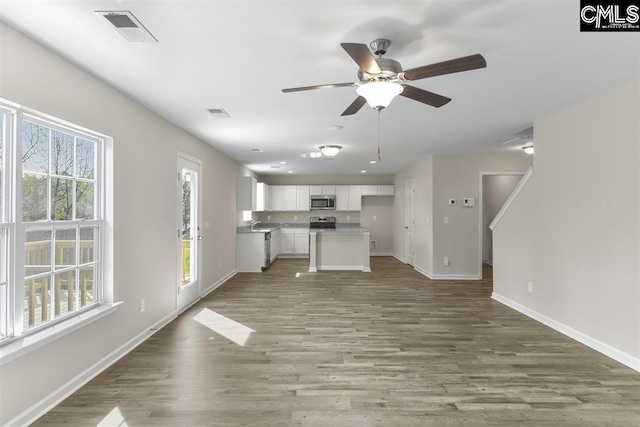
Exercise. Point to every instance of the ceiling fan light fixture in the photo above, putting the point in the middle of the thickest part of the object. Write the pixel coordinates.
(379, 94)
(330, 150)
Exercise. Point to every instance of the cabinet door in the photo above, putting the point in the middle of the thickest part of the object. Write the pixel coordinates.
(287, 243)
(355, 198)
(290, 198)
(386, 190)
(329, 190)
(246, 193)
(315, 190)
(262, 197)
(277, 197)
(275, 247)
(342, 197)
(369, 190)
(302, 243)
(303, 197)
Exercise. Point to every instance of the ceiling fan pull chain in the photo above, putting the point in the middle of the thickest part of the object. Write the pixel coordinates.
(378, 134)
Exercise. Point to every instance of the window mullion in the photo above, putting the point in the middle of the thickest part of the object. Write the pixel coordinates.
(18, 241)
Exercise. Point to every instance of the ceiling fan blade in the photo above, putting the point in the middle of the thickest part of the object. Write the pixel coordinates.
(424, 96)
(362, 55)
(327, 86)
(355, 106)
(447, 67)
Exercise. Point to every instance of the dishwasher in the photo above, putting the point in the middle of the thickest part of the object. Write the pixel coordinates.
(267, 250)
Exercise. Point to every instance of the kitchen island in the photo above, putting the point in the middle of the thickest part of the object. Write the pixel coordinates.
(339, 249)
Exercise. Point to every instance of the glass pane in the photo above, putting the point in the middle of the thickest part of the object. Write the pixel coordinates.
(187, 262)
(85, 158)
(34, 198)
(61, 153)
(35, 148)
(65, 292)
(85, 200)
(87, 243)
(61, 199)
(86, 283)
(37, 252)
(4, 288)
(65, 248)
(37, 301)
(2, 117)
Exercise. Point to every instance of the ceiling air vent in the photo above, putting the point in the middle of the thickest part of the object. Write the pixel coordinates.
(127, 26)
(218, 113)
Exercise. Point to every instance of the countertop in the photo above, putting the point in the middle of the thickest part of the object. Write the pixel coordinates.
(270, 227)
(340, 230)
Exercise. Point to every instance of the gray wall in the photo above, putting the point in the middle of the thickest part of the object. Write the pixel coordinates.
(574, 230)
(144, 159)
(496, 189)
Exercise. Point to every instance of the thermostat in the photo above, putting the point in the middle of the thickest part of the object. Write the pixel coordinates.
(469, 201)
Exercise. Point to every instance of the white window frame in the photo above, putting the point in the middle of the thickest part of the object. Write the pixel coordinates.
(14, 344)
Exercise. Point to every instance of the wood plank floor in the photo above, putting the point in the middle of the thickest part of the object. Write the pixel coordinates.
(387, 348)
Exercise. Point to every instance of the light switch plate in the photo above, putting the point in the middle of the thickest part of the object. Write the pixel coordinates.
(452, 202)
(469, 201)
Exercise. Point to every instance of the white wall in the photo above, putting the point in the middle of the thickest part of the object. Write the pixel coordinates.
(574, 229)
(145, 148)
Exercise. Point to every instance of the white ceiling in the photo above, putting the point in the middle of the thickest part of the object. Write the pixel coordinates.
(238, 55)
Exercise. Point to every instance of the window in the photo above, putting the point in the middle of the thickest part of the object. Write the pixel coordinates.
(50, 239)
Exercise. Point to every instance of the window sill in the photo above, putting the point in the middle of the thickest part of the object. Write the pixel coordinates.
(25, 345)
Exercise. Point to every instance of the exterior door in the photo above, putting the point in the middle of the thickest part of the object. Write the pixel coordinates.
(188, 193)
(409, 223)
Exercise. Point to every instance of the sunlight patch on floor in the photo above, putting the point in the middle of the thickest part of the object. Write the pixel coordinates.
(230, 329)
(113, 419)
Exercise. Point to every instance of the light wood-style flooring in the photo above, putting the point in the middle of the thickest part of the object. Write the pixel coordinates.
(387, 348)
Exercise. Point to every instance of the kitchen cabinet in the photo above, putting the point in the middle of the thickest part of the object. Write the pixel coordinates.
(246, 194)
(290, 198)
(378, 190)
(283, 197)
(348, 198)
(320, 190)
(294, 241)
(250, 252)
(263, 197)
(302, 192)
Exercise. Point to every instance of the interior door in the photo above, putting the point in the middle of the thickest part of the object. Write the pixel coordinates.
(409, 223)
(189, 196)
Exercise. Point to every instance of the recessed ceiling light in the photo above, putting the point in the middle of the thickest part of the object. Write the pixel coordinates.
(289, 171)
(334, 127)
(315, 154)
(373, 162)
(257, 150)
(283, 163)
(363, 171)
(275, 167)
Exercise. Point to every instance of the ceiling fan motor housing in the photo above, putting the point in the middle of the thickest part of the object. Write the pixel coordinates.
(390, 69)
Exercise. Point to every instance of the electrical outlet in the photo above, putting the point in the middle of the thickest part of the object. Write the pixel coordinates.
(348, 217)
(295, 217)
(268, 217)
(452, 202)
(446, 220)
(375, 217)
(142, 305)
(530, 286)
(373, 244)
(219, 263)
(446, 260)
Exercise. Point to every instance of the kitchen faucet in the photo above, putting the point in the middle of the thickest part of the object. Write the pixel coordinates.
(254, 222)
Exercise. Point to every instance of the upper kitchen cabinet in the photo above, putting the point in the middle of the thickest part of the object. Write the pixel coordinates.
(246, 194)
(377, 190)
(322, 190)
(302, 192)
(348, 198)
(284, 197)
(263, 197)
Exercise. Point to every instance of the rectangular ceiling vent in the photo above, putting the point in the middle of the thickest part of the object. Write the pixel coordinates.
(128, 26)
(218, 113)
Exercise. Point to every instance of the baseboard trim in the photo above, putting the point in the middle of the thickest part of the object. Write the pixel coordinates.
(381, 254)
(340, 267)
(37, 410)
(399, 258)
(597, 345)
(488, 262)
(453, 276)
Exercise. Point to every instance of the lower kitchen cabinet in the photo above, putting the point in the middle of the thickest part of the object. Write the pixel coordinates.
(251, 252)
(276, 245)
(294, 242)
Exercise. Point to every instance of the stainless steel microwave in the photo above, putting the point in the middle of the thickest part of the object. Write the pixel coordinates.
(322, 202)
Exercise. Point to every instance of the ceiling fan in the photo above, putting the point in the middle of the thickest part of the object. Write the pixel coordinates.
(381, 79)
